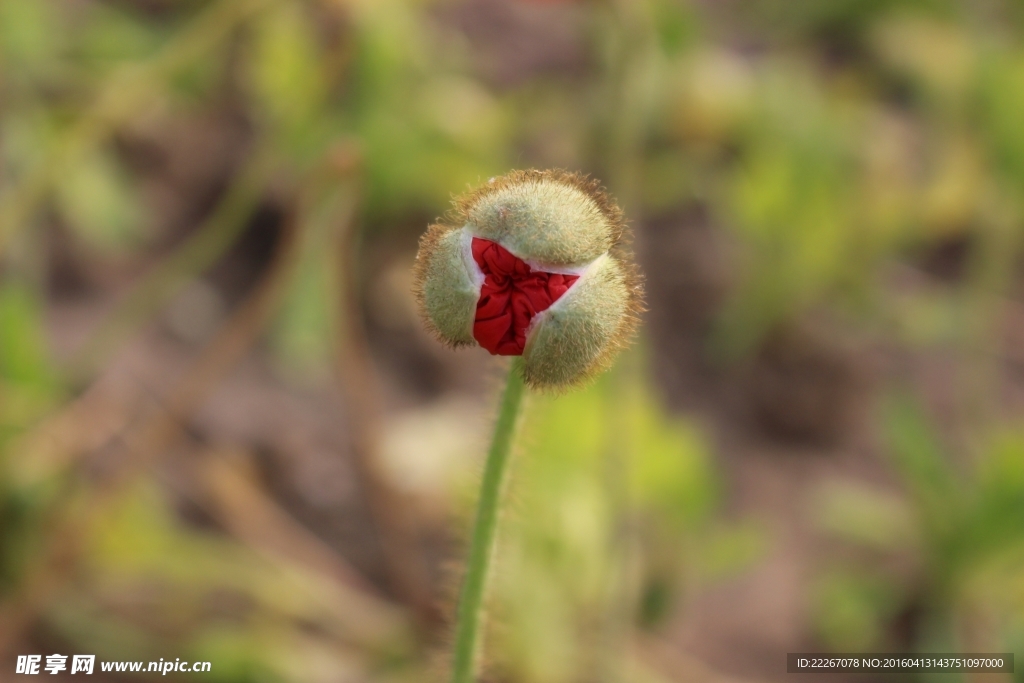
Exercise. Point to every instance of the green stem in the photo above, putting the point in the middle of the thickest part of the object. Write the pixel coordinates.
(467, 627)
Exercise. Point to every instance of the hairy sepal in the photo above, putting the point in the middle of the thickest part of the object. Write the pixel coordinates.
(551, 218)
(580, 334)
(446, 286)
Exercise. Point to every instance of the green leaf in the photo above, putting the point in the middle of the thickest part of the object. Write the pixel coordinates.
(286, 67)
(668, 459)
(865, 516)
(28, 386)
(922, 465)
(97, 200)
(30, 33)
(851, 610)
(111, 35)
(23, 349)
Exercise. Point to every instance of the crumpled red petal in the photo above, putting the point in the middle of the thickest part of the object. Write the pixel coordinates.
(511, 295)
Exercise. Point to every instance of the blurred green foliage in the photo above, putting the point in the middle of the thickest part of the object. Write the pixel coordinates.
(947, 556)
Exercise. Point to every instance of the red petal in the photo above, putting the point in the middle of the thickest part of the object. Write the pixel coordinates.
(512, 294)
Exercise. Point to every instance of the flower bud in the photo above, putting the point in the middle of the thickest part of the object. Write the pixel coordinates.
(532, 264)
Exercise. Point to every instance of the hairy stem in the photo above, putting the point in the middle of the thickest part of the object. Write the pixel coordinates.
(467, 627)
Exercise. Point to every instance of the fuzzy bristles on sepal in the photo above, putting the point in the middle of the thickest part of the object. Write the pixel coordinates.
(578, 337)
(551, 218)
(445, 288)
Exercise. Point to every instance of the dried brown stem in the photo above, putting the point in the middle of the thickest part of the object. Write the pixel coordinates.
(231, 496)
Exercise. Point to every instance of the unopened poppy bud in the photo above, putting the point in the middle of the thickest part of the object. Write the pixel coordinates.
(532, 264)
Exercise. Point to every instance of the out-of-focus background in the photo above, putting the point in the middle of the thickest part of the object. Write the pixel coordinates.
(225, 435)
